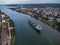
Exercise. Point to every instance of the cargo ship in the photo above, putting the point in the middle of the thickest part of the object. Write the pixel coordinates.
(35, 26)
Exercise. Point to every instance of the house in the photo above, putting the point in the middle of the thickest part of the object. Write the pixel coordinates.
(3, 21)
(58, 20)
(2, 16)
(45, 16)
(50, 19)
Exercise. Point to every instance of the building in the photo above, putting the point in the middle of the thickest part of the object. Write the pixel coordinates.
(50, 19)
(57, 20)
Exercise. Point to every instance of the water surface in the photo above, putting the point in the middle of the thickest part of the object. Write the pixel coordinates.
(26, 35)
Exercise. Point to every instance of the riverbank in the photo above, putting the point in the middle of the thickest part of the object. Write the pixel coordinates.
(13, 34)
(8, 29)
(0, 29)
(48, 20)
(25, 35)
(53, 24)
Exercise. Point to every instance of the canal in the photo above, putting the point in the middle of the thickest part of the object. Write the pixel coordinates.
(25, 35)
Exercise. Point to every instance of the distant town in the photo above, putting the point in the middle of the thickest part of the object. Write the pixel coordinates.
(48, 15)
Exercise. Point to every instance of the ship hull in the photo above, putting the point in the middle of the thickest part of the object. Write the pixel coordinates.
(31, 24)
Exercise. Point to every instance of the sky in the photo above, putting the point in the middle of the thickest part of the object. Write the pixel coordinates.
(27, 1)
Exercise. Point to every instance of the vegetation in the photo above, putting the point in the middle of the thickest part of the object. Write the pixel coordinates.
(13, 33)
(53, 24)
(0, 32)
(13, 8)
(11, 23)
(0, 28)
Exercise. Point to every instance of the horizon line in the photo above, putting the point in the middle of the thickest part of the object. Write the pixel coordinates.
(31, 3)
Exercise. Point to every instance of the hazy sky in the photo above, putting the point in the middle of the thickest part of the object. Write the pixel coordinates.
(27, 1)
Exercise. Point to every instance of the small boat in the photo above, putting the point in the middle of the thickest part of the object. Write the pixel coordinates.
(37, 27)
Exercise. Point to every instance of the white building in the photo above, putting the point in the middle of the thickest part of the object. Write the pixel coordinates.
(50, 19)
(3, 21)
(2, 16)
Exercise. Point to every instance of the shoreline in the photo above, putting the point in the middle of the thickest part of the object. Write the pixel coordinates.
(8, 30)
(54, 25)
